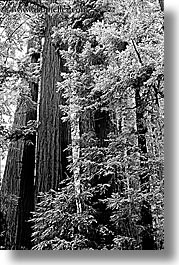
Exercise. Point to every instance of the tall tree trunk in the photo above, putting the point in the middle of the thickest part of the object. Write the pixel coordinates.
(18, 182)
(11, 183)
(26, 196)
(146, 214)
(53, 135)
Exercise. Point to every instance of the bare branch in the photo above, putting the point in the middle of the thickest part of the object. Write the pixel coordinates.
(138, 54)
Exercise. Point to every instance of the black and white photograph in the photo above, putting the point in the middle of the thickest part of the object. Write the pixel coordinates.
(82, 125)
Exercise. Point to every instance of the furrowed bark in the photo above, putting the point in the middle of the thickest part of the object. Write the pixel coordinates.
(53, 135)
(18, 182)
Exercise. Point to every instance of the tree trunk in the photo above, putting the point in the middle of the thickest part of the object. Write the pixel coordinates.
(26, 196)
(18, 182)
(53, 135)
(11, 183)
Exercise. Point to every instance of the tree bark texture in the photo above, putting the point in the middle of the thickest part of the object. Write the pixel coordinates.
(26, 196)
(11, 184)
(18, 182)
(52, 133)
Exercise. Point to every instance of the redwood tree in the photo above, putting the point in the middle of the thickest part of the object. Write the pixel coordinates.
(18, 182)
(99, 154)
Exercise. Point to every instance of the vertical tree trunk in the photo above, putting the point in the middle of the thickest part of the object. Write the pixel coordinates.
(11, 183)
(49, 167)
(53, 135)
(26, 196)
(18, 182)
(146, 215)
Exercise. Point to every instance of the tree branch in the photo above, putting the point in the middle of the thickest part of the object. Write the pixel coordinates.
(9, 37)
(138, 54)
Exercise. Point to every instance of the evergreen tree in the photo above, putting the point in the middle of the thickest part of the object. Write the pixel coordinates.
(99, 152)
(105, 75)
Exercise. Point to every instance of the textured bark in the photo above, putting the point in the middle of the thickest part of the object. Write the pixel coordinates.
(146, 214)
(18, 183)
(52, 133)
(26, 196)
(49, 168)
(11, 184)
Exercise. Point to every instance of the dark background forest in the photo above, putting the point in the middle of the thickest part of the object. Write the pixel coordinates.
(83, 83)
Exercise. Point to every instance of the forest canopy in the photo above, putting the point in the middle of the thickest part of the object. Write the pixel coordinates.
(82, 124)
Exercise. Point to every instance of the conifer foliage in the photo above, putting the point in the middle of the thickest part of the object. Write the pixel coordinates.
(99, 181)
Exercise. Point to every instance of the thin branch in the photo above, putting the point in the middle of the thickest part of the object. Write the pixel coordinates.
(9, 37)
(138, 54)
